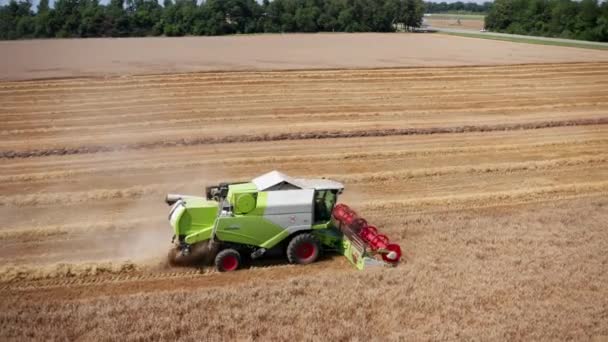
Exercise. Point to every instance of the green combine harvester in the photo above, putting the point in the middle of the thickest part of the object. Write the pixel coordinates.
(273, 214)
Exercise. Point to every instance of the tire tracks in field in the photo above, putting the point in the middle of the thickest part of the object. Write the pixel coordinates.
(387, 176)
(314, 105)
(273, 95)
(68, 198)
(232, 161)
(197, 116)
(303, 136)
(225, 79)
(483, 200)
(149, 121)
(298, 90)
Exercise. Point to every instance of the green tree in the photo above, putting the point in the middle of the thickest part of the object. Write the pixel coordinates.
(93, 20)
(42, 28)
(306, 19)
(119, 21)
(601, 31)
(500, 16)
(413, 13)
(122, 18)
(16, 20)
(144, 16)
(586, 20)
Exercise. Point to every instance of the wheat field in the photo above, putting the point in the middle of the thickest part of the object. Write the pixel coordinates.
(494, 180)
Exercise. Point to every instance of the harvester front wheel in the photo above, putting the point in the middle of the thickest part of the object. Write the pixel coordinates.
(228, 260)
(303, 249)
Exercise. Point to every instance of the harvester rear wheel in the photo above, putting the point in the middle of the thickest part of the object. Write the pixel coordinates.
(228, 260)
(303, 249)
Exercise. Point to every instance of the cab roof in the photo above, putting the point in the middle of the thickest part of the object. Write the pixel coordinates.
(275, 180)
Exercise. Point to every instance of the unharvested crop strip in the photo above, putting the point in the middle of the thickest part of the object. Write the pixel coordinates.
(91, 274)
(302, 136)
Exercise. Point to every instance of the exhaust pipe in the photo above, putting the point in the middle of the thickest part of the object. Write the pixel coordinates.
(170, 199)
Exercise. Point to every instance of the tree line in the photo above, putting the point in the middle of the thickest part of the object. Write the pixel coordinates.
(458, 6)
(585, 19)
(135, 18)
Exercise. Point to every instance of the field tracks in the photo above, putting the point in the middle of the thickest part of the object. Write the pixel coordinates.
(166, 163)
(426, 153)
(304, 136)
(67, 198)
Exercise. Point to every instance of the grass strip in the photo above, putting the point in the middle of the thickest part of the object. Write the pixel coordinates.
(528, 40)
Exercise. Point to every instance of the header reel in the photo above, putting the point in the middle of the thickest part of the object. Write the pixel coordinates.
(362, 244)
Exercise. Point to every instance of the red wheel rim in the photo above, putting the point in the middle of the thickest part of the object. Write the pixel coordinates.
(306, 250)
(230, 263)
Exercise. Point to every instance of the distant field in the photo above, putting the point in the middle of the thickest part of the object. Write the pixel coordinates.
(473, 22)
(102, 57)
(456, 16)
(465, 24)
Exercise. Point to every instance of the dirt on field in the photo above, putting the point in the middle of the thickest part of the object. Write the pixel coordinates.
(56, 58)
(494, 180)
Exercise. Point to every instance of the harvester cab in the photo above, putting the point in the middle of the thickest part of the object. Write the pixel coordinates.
(296, 217)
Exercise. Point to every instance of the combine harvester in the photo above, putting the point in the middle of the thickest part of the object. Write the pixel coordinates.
(272, 214)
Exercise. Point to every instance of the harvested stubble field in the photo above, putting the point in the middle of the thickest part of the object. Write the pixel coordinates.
(494, 180)
(100, 57)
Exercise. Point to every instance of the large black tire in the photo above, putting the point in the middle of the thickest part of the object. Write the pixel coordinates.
(228, 260)
(303, 249)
